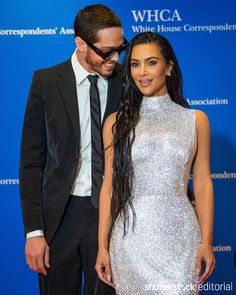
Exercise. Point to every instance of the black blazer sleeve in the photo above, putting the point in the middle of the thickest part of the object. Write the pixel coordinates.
(32, 158)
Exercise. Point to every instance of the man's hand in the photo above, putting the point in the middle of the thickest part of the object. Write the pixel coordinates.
(37, 254)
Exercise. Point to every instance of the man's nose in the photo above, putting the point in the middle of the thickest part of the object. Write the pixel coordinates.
(115, 57)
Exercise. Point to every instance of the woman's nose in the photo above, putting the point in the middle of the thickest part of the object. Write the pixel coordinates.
(143, 70)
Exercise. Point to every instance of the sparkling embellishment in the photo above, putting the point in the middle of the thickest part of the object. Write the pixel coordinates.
(159, 257)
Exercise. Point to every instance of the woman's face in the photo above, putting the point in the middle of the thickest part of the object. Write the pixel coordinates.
(149, 69)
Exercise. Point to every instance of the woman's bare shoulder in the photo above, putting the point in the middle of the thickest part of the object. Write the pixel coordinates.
(108, 128)
(202, 120)
(110, 120)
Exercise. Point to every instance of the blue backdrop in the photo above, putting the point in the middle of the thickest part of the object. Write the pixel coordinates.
(39, 34)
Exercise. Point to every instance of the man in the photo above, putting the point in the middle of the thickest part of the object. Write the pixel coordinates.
(62, 159)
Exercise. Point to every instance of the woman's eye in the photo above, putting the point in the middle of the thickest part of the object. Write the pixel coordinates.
(134, 64)
(152, 62)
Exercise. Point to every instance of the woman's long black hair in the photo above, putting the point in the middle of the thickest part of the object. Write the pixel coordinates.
(126, 121)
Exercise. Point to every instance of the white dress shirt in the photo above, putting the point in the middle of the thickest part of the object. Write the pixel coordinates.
(83, 182)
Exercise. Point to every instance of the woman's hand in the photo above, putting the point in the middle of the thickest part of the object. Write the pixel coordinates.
(205, 256)
(103, 267)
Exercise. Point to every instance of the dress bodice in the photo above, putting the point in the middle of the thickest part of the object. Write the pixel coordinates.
(164, 146)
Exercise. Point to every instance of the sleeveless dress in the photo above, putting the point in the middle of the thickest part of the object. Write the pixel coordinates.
(159, 256)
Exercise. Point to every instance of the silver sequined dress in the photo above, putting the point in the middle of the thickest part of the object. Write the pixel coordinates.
(159, 257)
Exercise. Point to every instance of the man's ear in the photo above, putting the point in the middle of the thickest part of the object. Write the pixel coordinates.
(80, 44)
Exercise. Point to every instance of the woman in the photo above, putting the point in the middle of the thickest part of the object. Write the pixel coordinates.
(148, 230)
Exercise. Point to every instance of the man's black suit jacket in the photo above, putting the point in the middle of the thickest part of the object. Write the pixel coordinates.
(50, 146)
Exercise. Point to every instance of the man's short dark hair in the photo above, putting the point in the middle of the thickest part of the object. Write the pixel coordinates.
(93, 18)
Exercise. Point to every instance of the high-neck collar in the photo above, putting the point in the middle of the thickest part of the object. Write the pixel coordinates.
(157, 101)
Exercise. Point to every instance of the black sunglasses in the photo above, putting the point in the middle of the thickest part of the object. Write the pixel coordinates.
(108, 54)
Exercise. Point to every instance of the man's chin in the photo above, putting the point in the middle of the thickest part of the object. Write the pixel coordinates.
(106, 73)
(107, 69)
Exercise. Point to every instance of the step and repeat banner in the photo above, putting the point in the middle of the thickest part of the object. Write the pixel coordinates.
(36, 35)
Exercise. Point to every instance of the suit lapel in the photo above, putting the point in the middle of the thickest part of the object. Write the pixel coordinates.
(67, 86)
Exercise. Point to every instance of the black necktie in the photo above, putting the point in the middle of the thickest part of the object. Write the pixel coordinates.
(96, 140)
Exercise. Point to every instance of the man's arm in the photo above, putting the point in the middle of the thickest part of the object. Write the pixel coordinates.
(32, 162)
